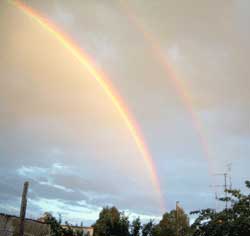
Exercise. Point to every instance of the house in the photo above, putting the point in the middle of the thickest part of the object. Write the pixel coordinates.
(88, 231)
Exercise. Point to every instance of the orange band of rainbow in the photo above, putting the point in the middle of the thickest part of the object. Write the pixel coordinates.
(107, 87)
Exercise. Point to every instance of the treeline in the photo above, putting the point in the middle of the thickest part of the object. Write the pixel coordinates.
(57, 229)
(231, 221)
(115, 223)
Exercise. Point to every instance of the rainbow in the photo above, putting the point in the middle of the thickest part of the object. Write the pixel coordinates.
(181, 88)
(105, 84)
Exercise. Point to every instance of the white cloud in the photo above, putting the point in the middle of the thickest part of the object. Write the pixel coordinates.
(44, 176)
(32, 172)
(68, 211)
(35, 172)
(48, 183)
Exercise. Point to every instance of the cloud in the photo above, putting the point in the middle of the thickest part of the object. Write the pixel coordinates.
(35, 172)
(69, 211)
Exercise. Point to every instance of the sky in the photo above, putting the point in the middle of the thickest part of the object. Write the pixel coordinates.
(60, 131)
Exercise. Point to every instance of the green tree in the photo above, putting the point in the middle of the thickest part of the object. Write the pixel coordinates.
(148, 228)
(123, 226)
(174, 223)
(136, 227)
(55, 225)
(111, 222)
(79, 233)
(68, 231)
(232, 221)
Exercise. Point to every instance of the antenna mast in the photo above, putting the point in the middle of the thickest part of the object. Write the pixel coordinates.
(227, 183)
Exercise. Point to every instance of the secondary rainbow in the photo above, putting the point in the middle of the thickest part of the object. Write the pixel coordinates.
(89, 65)
(182, 89)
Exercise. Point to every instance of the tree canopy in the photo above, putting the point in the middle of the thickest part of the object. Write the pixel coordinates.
(174, 223)
(111, 222)
(231, 221)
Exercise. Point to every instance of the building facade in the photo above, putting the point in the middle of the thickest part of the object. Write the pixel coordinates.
(9, 226)
(87, 231)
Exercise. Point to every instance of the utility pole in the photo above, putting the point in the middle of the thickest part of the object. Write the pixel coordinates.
(23, 208)
(177, 217)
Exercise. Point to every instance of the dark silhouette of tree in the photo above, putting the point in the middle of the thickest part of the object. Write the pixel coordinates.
(148, 229)
(79, 233)
(232, 221)
(174, 223)
(68, 231)
(136, 227)
(111, 222)
(55, 225)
